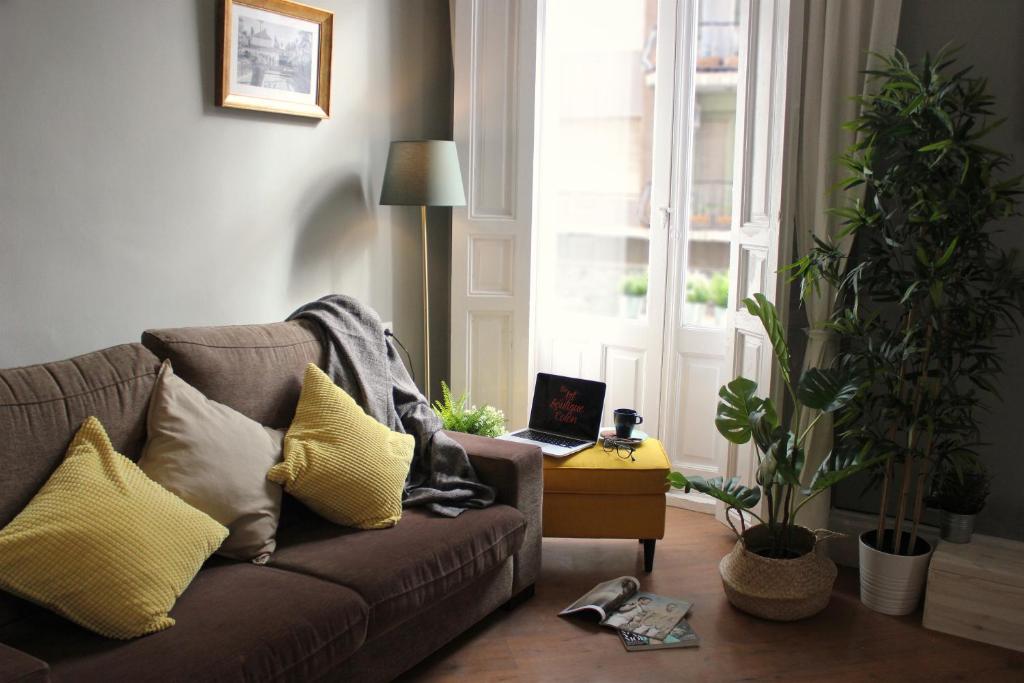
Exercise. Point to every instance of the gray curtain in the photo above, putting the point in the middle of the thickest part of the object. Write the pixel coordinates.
(839, 35)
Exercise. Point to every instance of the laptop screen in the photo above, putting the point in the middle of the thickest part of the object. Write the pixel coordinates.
(567, 406)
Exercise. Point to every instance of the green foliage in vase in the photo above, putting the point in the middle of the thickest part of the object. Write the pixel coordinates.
(701, 290)
(927, 290)
(743, 417)
(635, 285)
(962, 492)
(456, 417)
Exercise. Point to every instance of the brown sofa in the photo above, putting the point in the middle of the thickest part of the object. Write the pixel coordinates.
(333, 603)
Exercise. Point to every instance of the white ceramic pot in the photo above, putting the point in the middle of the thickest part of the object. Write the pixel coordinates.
(889, 583)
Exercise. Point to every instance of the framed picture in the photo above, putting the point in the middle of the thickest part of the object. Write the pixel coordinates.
(275, 55)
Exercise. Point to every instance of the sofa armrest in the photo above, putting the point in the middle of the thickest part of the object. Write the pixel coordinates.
(18, 667)
(516, 470)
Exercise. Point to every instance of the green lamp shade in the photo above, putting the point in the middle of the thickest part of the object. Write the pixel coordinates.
(422, 173)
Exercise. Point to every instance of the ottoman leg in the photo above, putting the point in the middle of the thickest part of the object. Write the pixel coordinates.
(648, 553)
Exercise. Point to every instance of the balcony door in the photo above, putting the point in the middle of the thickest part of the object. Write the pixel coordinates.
(603, 180)
(701, 270)
(627, 164)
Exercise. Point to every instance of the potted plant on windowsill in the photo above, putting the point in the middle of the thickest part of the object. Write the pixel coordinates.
(707, 298)
(774, 571)
(959, 495)
(921, 302)
(634, 295)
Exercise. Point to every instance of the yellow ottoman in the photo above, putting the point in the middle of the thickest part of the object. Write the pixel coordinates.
(596, 494)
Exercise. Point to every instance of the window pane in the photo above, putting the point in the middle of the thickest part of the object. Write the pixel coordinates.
(595, 161)
(710, 219)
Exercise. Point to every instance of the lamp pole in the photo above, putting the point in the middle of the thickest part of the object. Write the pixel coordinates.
(426, 305)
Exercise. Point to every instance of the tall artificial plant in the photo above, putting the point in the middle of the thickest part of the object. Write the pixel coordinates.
(743, 417)
(927, 291)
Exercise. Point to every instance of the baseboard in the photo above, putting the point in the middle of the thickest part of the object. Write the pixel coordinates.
(844, 551)
(697, 502)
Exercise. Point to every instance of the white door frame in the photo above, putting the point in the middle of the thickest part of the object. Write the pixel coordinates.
(768, 118)
(494, 58)
(672, 388)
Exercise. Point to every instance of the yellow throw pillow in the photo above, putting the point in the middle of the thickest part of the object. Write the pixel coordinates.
(103, 545)
(339, 461)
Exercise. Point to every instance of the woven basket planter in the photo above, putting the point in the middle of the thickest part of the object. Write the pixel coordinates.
(781, 590)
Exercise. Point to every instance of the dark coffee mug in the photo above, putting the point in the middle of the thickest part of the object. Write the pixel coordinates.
(625, 420)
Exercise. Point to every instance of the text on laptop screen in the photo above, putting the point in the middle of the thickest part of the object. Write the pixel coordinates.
(567, 405)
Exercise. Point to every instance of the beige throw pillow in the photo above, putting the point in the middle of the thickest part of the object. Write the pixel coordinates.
(216, 460)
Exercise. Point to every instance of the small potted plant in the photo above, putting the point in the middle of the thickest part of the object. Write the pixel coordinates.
(959, 495)
(456, 417)
(707, 299)
(634, 295)
(773, 571)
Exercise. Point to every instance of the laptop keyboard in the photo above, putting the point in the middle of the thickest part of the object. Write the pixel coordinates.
(564, 441)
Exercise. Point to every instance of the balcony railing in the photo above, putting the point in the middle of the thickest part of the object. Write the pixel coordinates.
(711, 205)
(718, 48)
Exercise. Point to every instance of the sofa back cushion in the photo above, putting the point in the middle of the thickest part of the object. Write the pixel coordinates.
(255, 369)
(42, 406)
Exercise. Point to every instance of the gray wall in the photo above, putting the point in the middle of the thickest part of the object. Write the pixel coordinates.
(990, 32)
(128, 200)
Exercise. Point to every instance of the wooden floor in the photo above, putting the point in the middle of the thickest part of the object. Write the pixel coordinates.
(846, 642)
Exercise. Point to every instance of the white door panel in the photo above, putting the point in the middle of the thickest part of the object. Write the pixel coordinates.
(624, 373)
(695, 332)
(708, 350)
(766, 126)
(494, 55)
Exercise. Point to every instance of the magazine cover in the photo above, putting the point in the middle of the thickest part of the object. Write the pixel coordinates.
(622, 606)
(681, 636)
(647, 614)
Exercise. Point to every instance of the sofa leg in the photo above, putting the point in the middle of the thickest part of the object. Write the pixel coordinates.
(519, 598)
(648, 553)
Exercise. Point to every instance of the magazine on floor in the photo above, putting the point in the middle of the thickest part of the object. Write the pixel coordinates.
(680, 636)
(622, 605)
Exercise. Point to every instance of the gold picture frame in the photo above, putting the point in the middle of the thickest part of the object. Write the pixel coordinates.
(274, 55)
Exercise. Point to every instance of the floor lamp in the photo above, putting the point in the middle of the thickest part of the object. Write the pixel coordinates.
(423, 173)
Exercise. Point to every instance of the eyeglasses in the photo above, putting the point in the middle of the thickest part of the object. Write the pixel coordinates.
(623, 451)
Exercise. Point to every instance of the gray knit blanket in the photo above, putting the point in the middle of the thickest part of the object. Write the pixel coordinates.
(363, 361)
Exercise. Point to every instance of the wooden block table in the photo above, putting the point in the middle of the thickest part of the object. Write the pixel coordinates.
(597, 494)
(976, 590)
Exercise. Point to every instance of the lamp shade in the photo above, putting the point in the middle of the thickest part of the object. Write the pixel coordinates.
(423, 173)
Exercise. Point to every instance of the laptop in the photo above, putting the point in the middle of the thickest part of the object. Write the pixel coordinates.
(565, 417)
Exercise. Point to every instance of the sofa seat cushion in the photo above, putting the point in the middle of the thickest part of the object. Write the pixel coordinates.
(405, 569)
(18, 666)
(236, 622)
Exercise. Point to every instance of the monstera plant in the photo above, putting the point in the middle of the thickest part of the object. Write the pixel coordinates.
(743, 417)
(779, 493)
